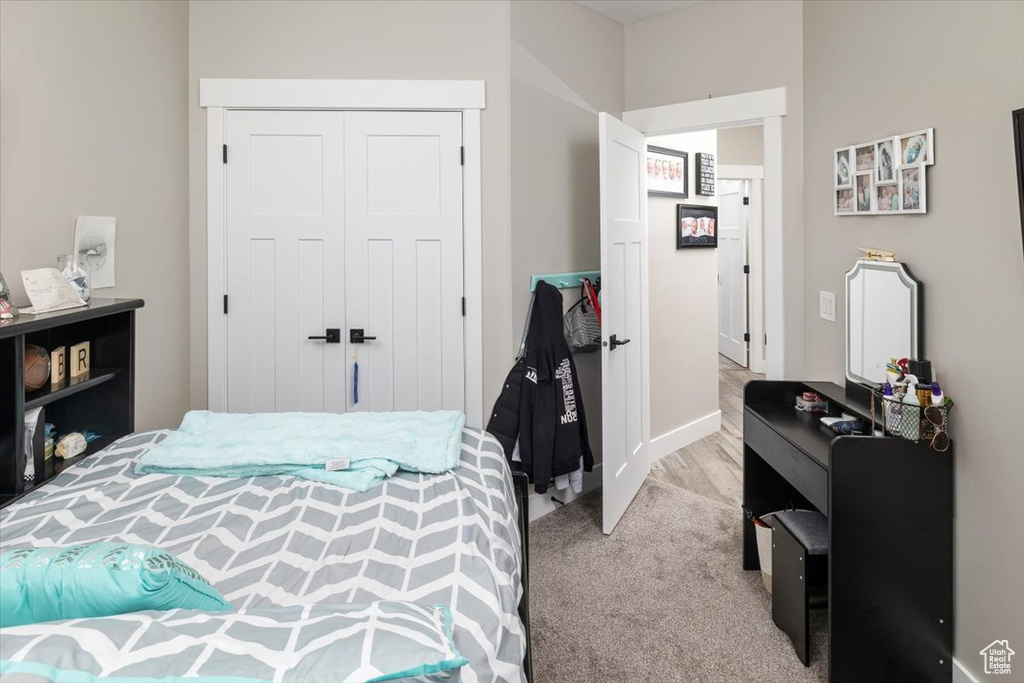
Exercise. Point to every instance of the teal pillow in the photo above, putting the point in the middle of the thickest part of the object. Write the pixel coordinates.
(98, 580)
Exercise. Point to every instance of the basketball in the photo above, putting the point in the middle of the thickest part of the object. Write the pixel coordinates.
(37, 367)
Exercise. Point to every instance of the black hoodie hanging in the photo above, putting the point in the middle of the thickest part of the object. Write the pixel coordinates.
(541, 403)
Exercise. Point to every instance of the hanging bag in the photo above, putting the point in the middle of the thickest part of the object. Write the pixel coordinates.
(583, 321)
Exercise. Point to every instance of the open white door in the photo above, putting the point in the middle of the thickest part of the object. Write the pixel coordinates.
(732, 270)
(625, 358)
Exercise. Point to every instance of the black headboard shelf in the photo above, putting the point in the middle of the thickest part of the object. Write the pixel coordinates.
(102, 401)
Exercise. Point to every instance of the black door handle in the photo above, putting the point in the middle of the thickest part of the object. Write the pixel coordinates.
(613, 341)
(356, 336)
(333, 335)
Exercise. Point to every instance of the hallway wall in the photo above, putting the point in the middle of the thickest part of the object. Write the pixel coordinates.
(684, 314)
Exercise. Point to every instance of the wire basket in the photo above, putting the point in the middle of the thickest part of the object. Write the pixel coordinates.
(915, 422)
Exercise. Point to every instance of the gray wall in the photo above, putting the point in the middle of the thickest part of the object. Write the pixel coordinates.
(567, 65)
(93, 121)
(963, 76)
(741, 146)
(411, 40)
(725, 48)
(684, 306)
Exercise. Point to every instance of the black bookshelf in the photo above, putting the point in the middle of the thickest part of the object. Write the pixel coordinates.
(102, 401)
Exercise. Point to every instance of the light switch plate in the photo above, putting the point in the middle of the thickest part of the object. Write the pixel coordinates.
(827, 306)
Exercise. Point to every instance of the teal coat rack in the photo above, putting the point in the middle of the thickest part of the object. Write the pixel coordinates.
(565, 280)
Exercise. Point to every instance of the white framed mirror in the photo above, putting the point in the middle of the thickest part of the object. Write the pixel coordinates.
(883, 318)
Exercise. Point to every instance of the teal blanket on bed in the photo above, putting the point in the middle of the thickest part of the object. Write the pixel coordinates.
(354, 450)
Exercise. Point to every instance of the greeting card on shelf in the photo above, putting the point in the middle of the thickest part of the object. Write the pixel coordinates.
(48, 291)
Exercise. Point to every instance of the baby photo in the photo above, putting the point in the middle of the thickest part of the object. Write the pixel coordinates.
(914, 149)
(888, 198)
(843, 174)
(696, 226)
(666, 172)
(844, 201)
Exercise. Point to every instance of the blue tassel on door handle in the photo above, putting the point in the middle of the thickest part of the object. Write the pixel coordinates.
(355, 383)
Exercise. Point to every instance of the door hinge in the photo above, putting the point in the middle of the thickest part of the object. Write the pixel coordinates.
(746, 336)
(225, 304)
(746, 270)
(462, 156)
(225, 151)
(463, 307)
(766, 340)
(746, 201)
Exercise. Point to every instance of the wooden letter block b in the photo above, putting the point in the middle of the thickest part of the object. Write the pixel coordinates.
(58, 367)
(79, 360)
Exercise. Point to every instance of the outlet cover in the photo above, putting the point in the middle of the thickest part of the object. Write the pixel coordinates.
(827, 306)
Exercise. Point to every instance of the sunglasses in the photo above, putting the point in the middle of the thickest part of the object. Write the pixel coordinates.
(940, 442)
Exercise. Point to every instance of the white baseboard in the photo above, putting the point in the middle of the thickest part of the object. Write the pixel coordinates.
(683, 436)
(541, 503)
(961, 674)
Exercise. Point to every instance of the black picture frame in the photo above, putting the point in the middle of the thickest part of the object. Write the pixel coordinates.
(692, 214)
(685, 182)
(704, 169)
(1018, 146)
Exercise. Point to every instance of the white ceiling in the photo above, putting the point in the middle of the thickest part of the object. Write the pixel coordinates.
(629, 11)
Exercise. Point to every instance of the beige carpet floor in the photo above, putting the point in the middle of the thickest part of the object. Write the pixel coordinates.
(664, 598)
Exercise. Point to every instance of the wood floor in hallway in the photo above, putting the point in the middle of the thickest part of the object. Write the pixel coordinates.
(713, 466)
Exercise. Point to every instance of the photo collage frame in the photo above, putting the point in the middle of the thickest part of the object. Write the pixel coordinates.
(885, 176)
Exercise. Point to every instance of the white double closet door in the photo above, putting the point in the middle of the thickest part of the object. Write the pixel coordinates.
(339, 221)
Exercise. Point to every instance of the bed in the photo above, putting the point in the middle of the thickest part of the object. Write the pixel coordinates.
(280, 543)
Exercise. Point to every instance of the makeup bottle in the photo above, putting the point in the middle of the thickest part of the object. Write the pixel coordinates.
(922, 369)
(937, 398)
(911, 398)
(892, 407)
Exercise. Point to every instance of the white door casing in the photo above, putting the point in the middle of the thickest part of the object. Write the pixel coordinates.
(284, 245)
(732, 280)
(625, 369)
(404, 246)
(768, 107)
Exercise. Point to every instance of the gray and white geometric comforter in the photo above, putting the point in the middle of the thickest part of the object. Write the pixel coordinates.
(269, 542)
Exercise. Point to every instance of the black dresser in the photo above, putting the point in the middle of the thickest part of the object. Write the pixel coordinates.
(889, 504)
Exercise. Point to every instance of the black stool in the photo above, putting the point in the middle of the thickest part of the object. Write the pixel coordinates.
(799, 567)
